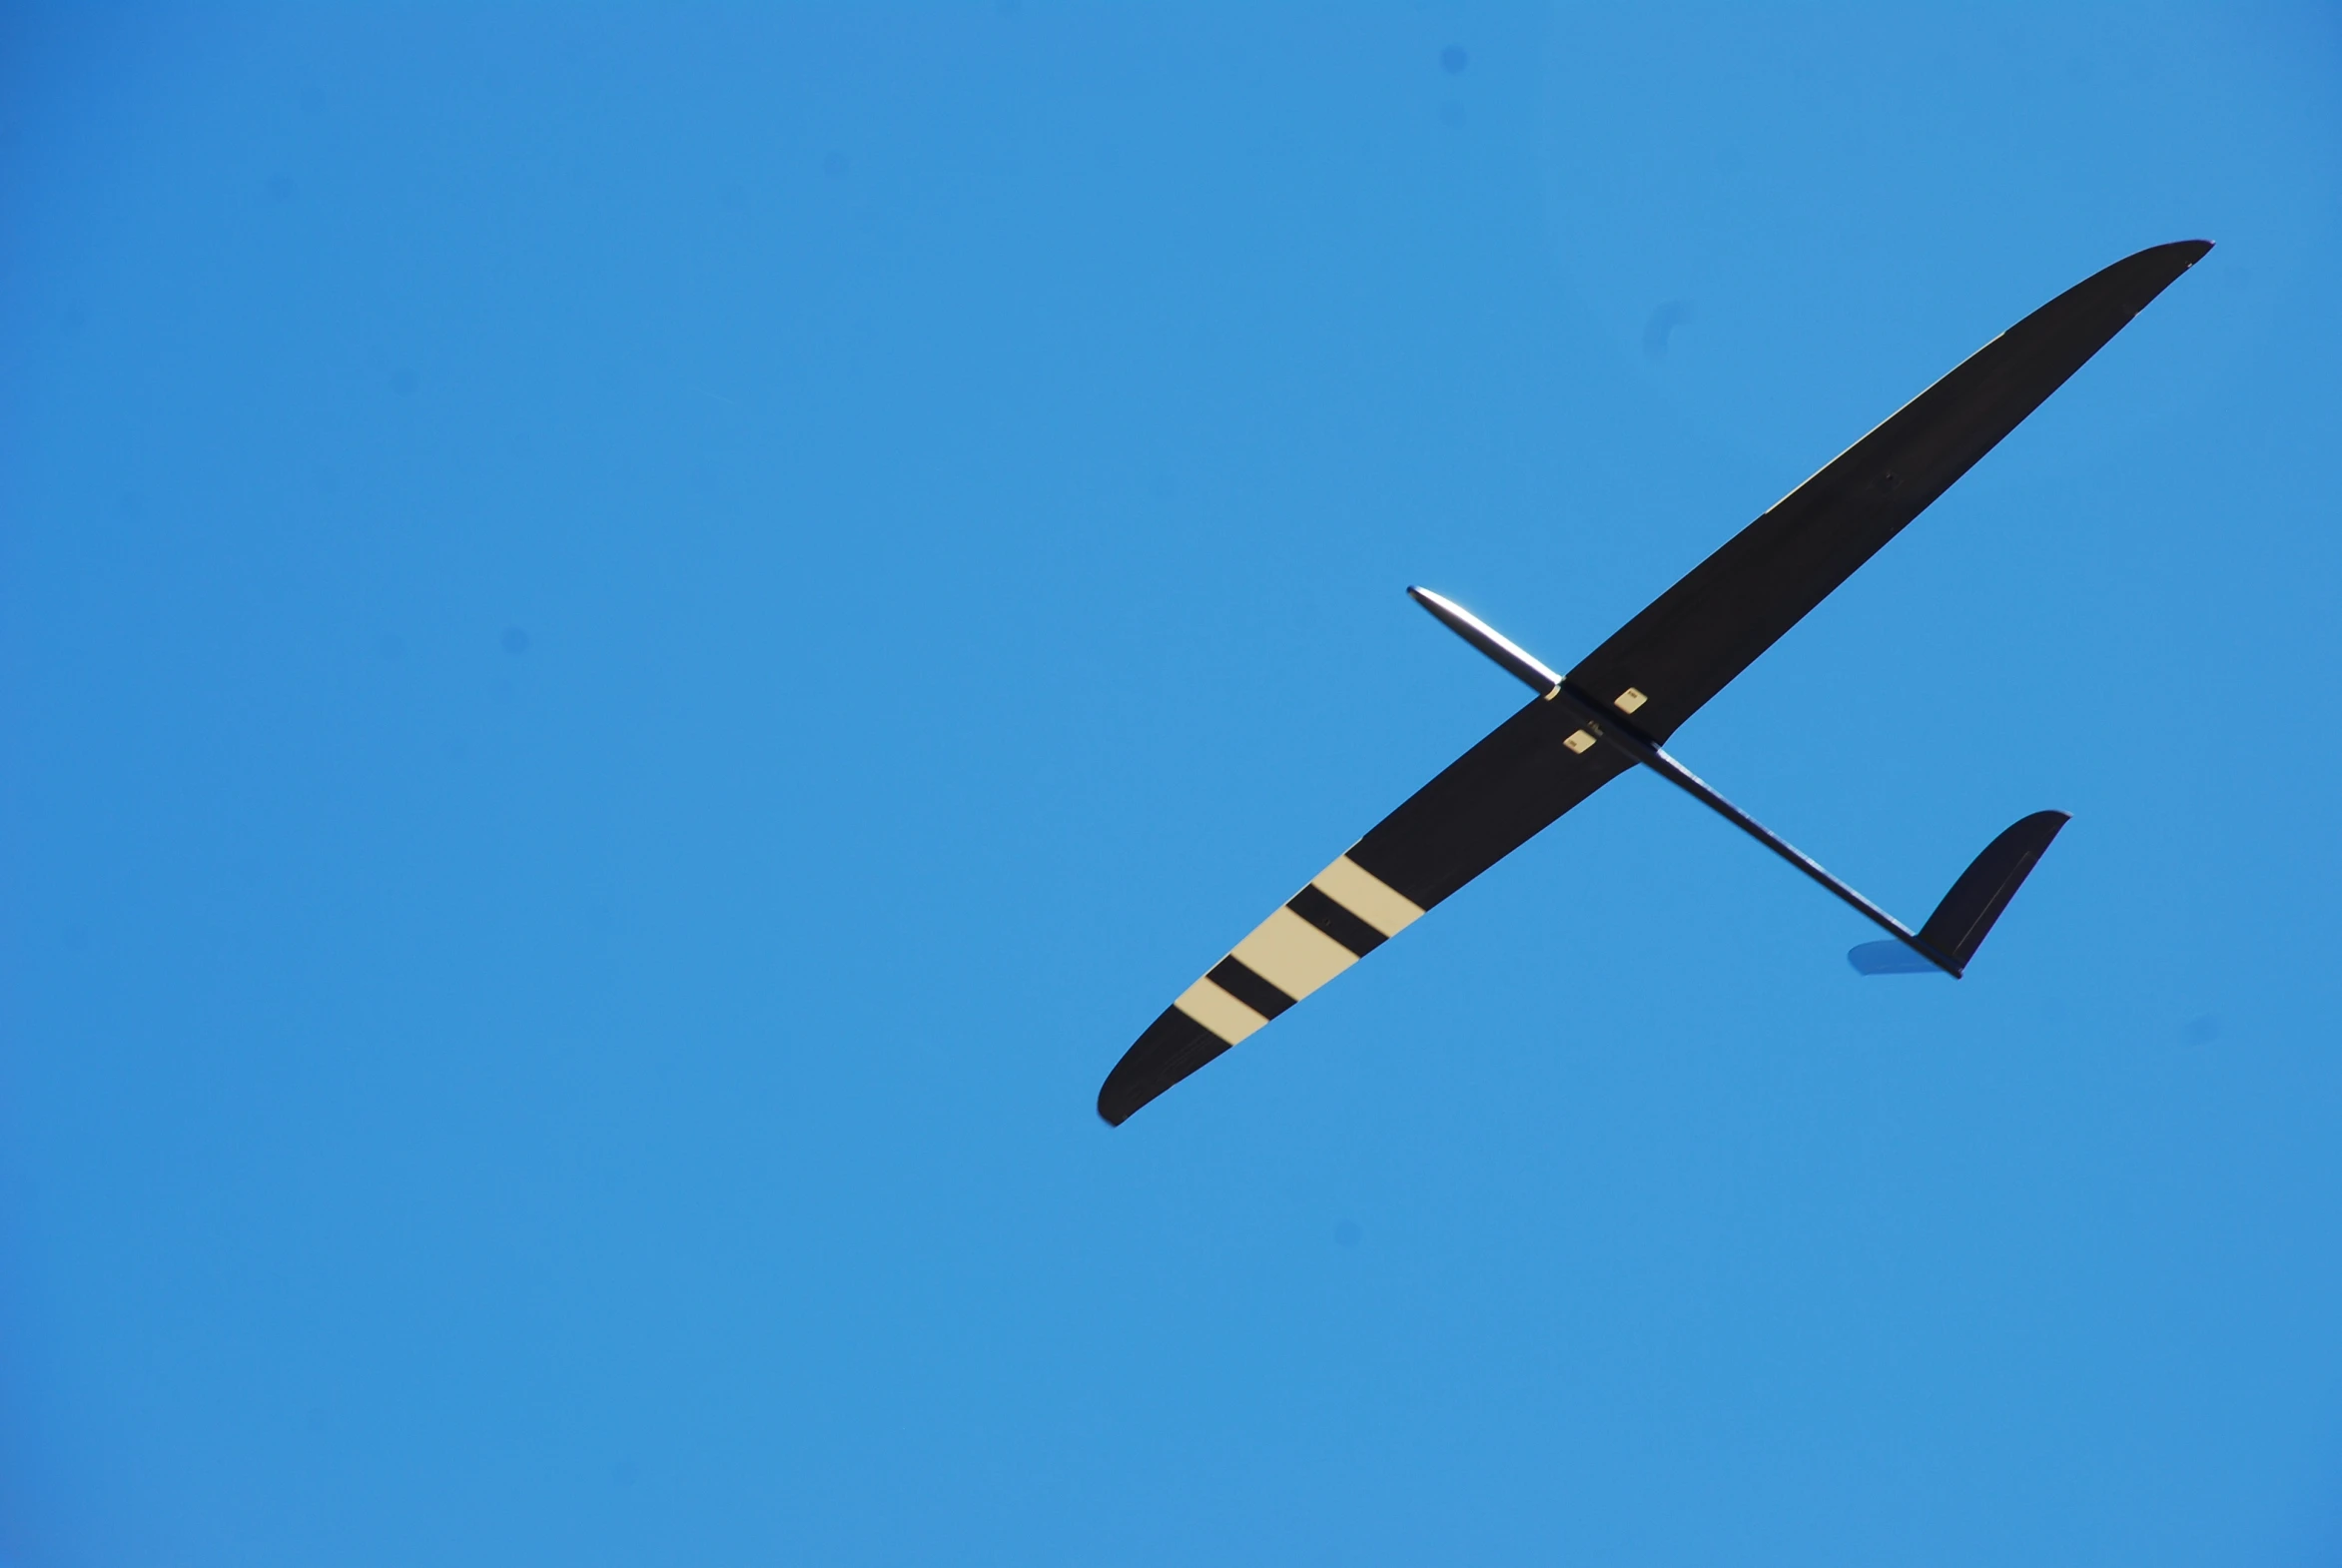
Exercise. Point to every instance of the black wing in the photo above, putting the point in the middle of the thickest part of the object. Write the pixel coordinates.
(1693, 638)
(1487, 803)
(1661, 667)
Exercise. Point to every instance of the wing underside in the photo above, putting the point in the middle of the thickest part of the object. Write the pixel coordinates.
(1693, 638)
(1487, 803)
(1660, 669)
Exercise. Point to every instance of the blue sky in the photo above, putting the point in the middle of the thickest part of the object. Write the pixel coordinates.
(636, 643)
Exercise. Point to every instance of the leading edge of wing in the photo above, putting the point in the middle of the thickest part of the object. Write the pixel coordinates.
(1698, 635)
(1488, 802)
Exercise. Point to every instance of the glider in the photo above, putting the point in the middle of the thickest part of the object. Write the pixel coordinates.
(1618, 707)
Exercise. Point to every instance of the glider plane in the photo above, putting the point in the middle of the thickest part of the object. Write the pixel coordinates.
(1623, 701)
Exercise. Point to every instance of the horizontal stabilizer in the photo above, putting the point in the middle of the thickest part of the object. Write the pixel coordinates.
(1515, 660)
(1962, 922)
(1891, 958)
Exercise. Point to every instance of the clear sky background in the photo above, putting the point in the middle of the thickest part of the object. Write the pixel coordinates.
(636, 643)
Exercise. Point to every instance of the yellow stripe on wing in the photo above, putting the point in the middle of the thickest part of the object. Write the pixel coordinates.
(1216, 1011)
(1368, 895)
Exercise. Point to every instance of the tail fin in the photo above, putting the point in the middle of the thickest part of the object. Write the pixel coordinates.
(1962, 922)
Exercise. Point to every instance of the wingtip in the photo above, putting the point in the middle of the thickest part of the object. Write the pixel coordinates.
(1173, 1046)
(2170, 259)
(1120, 1098)
(1115, 1101)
